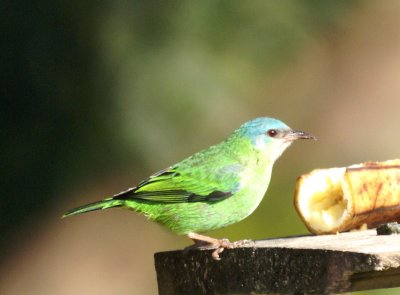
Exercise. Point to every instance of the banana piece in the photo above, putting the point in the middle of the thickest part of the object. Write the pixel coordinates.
(342, 199)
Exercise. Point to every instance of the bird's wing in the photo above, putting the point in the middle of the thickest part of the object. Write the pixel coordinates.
(175, 185)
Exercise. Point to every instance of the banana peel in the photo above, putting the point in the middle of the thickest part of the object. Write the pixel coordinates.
(348, 198)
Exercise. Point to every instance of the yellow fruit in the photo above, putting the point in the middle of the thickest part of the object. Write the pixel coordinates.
(341, 199)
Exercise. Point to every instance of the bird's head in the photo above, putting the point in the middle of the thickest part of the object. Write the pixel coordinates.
(271, 136)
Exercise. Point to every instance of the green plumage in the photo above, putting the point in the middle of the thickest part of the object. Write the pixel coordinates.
(213, 188)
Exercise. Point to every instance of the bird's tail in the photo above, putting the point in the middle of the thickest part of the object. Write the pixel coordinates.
(100, 205)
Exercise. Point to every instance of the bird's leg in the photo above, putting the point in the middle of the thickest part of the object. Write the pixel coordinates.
(219, 245)
(206, 242)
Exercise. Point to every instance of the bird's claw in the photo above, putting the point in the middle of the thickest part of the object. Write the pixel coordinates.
(226, 244)
(219, 245)
(216, 252)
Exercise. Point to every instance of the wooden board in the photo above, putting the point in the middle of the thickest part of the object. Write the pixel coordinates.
(305, 264)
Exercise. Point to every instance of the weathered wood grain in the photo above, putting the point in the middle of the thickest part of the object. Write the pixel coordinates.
(296, 265)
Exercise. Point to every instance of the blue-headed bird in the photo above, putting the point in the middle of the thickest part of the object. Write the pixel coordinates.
(213, 188)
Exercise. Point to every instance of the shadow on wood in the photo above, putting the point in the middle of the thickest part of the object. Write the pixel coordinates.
(308, 264)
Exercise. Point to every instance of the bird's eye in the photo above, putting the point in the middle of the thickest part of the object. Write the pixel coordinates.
(272, 132)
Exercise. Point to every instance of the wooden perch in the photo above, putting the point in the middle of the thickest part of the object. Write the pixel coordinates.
(308, 264)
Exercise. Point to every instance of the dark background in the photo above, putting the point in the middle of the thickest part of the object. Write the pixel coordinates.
(98, 95)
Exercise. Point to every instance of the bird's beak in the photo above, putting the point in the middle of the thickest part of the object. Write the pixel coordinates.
(294, 135)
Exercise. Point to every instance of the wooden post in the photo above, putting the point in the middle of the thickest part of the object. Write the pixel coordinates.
(307, 264)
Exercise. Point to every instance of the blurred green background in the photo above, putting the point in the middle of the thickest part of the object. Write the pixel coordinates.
(97, 95)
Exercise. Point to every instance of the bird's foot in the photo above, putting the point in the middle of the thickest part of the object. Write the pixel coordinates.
(205, 242)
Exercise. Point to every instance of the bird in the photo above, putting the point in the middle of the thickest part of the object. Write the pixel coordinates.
(211, 189)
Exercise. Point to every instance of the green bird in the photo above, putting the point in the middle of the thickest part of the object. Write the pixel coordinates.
(213, 188)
